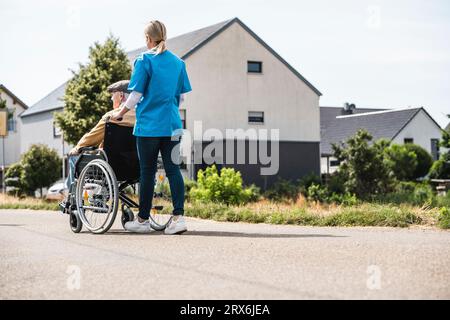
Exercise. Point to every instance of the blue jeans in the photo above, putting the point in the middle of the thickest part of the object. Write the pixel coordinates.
(148, 149)
(71, 176)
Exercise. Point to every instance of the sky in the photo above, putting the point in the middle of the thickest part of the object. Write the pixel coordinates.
(376, 54)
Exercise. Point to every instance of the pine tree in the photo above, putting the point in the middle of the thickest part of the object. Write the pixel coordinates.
(86, 98)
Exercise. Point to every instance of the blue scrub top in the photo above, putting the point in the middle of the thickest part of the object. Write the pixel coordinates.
(161, 78)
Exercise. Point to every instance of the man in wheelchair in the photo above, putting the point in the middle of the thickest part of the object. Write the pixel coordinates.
(95, 137)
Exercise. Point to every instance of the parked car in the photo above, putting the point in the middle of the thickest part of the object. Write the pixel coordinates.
(58, 191)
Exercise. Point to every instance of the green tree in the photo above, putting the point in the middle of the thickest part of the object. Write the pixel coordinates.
(445, 142)
(424, 160)
(41, 167)
(402, 161)
(363, 166)
(86, 98)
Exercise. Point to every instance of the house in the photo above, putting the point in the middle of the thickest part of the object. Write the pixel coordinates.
(403, 125)
(10, 145)
(239, 83)
(39, 125)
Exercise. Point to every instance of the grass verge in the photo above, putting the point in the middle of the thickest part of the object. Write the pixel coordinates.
(299, 213)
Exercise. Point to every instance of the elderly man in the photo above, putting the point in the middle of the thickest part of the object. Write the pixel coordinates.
(94, 138)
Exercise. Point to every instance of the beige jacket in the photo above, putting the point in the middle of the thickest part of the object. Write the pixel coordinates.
(94, 138)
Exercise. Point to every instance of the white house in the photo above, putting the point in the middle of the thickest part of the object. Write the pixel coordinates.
(10, 145)
(402, 125)
(238, 82)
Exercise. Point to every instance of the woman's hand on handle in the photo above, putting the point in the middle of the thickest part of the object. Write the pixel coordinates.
(118, 115)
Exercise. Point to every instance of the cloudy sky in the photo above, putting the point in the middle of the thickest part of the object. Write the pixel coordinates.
(375, 53)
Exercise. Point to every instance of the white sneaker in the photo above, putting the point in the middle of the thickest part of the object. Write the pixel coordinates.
(138, 227)
(177, 226)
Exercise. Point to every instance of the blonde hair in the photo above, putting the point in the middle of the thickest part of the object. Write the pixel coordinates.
(156, 30)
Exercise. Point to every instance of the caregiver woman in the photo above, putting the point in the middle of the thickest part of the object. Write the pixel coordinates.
(158, 80)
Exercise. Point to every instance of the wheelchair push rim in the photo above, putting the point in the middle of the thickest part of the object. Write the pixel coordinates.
(97, 196)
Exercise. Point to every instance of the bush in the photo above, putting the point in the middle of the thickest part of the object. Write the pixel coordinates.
(307, 181)
(224, 187)
(363, 166)
(188, 185)
(424, 160)
(283, 190)
(441, 168)
(41, 167)
(317, 193)
(14, 180)
(402, 161)
(444, 218)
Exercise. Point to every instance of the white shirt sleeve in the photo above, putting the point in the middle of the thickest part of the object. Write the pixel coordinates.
(133, 100)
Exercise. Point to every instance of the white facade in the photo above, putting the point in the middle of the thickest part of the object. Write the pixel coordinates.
(11, 152)
(422, 130)
(224, 92)
(39, 128)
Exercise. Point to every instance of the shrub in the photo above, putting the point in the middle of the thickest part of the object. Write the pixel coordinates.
(402, 161)
(41, 167)
(283, 190)
(306, 181)
(424, 160)
(224, 187)
(188, 185)
(14, 180)
(317, 193)
(444, 218)
(441, 168)
(363, 166)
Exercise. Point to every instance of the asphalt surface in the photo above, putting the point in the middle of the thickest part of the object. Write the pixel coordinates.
(40, 258)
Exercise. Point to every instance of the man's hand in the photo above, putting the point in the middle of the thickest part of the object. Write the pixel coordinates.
(73, 152)
(118, 115)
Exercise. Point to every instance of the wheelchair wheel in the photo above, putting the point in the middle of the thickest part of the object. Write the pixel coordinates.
(97, 196)
(127, 215)
(75, 222)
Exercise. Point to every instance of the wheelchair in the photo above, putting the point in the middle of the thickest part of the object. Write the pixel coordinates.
(102, 178)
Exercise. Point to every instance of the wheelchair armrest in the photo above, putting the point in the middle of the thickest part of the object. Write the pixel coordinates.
(84, 149)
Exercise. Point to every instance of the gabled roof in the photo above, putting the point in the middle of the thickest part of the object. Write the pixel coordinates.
(186, 44)
(52, 101)
(13, 96)
(183, 46)
(380, 123)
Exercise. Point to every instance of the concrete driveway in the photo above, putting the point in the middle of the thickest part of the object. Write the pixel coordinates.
(41, 258)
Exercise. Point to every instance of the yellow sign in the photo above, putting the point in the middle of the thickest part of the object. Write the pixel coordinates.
(3, 123)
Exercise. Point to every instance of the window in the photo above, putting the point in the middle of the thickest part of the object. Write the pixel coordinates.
(435, 149)
(56, 131)
(12, 124)
(334, 163)
(255, 117)
(254, 67)
(183, 118)
(408, 140)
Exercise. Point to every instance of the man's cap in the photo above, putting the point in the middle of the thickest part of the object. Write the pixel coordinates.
(119, 86)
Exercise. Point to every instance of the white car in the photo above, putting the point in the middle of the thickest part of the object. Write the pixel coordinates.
(58, 191)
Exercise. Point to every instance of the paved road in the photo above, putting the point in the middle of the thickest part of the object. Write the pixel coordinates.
(41, 258)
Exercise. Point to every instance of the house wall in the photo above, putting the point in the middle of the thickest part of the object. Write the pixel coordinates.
(223, 94)
(422, 129)
(12, 141)
(39, 129)
(223, 91)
